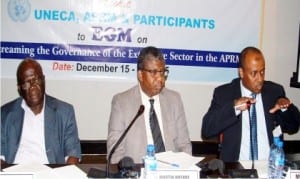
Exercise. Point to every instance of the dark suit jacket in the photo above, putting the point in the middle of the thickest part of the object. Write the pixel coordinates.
(221, 117)
(125, 106)
(61, 135)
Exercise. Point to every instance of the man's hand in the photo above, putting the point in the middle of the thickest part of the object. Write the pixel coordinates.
(282, 103)
(3, 162)
(72, 160)
(243, 103)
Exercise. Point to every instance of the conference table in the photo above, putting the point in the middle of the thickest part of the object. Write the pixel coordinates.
(86, 167)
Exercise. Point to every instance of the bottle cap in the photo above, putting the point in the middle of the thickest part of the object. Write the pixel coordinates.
(280, 144)
(276, 140)
(150, 148)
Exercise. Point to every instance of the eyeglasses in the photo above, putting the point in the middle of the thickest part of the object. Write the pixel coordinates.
(34, 81)
(153, 73)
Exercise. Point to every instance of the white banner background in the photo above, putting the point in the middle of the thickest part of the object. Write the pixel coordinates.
(236, 24)
(199, 29)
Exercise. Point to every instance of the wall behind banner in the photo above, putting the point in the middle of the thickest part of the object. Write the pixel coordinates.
(91, 98)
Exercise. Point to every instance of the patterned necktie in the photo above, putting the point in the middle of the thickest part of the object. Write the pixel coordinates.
(156, 133)
(253, 131)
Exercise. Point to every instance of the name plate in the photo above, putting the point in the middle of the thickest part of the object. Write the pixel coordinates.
(171, 174)
(293, 174)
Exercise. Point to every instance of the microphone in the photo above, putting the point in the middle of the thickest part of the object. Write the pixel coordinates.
(246, 173)
(126, 166)
(248, 103)
(217, 164)
(140, 111)
(126, 163)
(251, 146)
(208, 167)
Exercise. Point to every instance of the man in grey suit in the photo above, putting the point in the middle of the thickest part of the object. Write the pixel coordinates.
(151, 74)
(37, 127)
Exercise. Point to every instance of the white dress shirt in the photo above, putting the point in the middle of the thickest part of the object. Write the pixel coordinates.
(32, 144)
(262, 135)
(146, 103)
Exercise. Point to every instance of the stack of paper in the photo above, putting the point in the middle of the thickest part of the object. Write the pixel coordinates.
(41, 171)
(176, 160)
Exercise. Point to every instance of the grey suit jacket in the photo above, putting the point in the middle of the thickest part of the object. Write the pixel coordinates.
(61, 135)
(123, 109)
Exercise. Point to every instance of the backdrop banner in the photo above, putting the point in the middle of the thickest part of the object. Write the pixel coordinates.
(102, 38)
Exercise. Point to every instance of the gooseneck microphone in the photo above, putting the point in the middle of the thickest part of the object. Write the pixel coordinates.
(253, 172)
(208, 167)
(140, 112)
(126, 168)
(251, 135)
(246, 173)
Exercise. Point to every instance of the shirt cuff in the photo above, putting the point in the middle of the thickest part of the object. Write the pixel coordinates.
(237, 111)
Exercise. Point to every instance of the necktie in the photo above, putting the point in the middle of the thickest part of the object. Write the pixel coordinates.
(156, 133)
(253, 131)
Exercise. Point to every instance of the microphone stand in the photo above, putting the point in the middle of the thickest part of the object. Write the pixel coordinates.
(253, 172)
(251, 137)
(246, 173)
(140, 111)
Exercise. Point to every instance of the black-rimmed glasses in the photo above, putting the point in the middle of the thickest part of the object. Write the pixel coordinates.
(153, 73)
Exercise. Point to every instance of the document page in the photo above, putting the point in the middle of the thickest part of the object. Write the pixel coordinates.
(177, 160)
(41, 171)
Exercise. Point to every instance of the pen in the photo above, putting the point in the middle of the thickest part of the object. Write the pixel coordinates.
(168, 163)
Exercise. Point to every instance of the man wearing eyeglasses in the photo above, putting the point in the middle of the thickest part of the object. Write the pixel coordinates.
(37, 127)
(167, 104)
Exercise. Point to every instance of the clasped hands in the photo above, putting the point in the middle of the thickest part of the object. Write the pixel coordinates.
(244, 102)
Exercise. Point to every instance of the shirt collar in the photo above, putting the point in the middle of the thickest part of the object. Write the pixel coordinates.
(27, 108)
(146, 97)
(245, 91)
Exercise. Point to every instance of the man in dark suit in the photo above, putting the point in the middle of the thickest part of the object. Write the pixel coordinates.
(228, 114)
(168, 105)
(37, 127)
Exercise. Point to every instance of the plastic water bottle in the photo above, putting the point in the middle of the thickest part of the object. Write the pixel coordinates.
(279, 160)
(150, 163)
(271, 165)
(276, 160)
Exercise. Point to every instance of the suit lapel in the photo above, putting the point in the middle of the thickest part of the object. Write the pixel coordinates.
(50, 130)
(237, 87)
(140, 123)
(237, 93)
(267, 100)
(17, 119)
(164, 106)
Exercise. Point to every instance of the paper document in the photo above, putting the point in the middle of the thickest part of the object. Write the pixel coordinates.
(30, 167)
(38, 170)
(70, 171)
(176, 160)
(41, 171)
